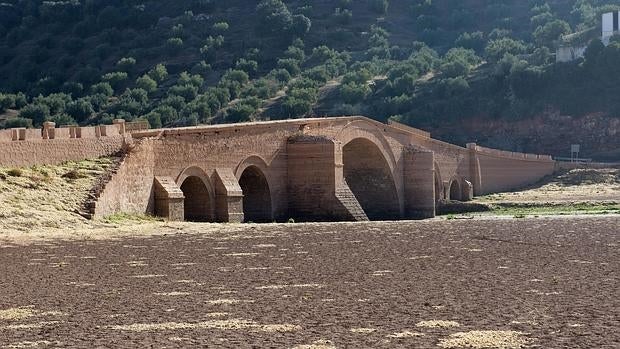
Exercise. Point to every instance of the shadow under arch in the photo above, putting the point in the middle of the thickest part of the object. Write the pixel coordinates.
(455, 190)
(254, 183)
(439, 193)
(368, 175)
(199, 202)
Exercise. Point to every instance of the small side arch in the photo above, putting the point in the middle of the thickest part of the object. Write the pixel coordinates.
(199, 202)
(256, 187)
(456, 190)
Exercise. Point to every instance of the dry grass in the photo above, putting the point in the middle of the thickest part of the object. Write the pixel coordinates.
(29, 326)
(279, 287)
(14, 314)
(228, 301)
(438, 324)
(363, 330)
(485, 339)
(406, 334)
(45, 196)
(21, 313)
(230, 324)
(29, 344)
(172, 294)
(320, 344)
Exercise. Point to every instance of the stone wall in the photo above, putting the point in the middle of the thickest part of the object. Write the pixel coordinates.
(314, 169)
(504, 171)
(131, 188)
(50, 146)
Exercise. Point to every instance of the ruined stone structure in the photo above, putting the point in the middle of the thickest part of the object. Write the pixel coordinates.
(345, 168)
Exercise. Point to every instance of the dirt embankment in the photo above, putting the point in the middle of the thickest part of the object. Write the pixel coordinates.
(48, 197)
(579, 185)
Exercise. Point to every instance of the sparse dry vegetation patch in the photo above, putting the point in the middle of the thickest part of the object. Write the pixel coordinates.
(438, 324)
(485, 340)
(320, 344)
(230, 324)
(47, 197)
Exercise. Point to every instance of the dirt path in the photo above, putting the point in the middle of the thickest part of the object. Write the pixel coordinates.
(544, 283)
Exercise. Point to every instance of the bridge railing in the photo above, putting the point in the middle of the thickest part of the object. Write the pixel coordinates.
(509, 154)
(50, 131)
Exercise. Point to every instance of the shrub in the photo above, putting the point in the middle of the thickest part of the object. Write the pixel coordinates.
(15, 172)
(146, 83)
(102, 88)
(6, 101)
(220, 27)
(115, 79)
(496, 49)
(74, 174)
(353, 93)
(80, 109)
(36, 112)
(247, 66)
(17, 123)
(301, 25)
(240, 112)
(273, 16)
(158, 73)
(126, 64)
(290, 65)
(173, 45)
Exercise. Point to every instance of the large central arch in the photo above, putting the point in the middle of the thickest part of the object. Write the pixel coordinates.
(256, 195)
(369, 177)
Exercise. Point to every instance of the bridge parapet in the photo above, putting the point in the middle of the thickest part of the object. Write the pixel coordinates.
(50, 131)
(508, 154)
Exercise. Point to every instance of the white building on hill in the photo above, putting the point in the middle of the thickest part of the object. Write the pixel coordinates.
(571, 49)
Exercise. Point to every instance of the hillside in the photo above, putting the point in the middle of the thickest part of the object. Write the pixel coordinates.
(466, 70)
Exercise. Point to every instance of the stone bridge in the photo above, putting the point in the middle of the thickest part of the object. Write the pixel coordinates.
(345, 168)
(341, 168)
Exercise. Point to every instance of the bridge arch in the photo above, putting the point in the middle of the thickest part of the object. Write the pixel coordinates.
(369, 176)
(455, 191)
(256, 188)
(199, 202)
(439, 191)
(360, 129)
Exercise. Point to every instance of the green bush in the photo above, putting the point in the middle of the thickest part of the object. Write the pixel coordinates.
(220, 27)
(159, 73)
(240, 112)
(36, 112)
(146, 83)
(126, 64)
(17, 123)
(115, 79)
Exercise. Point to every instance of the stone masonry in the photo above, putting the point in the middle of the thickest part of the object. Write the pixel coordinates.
(345, 168)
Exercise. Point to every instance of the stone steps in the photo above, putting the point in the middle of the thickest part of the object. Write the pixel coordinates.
(350, 203)
(87, 210)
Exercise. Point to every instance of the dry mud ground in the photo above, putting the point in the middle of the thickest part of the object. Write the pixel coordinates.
(527, 283)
